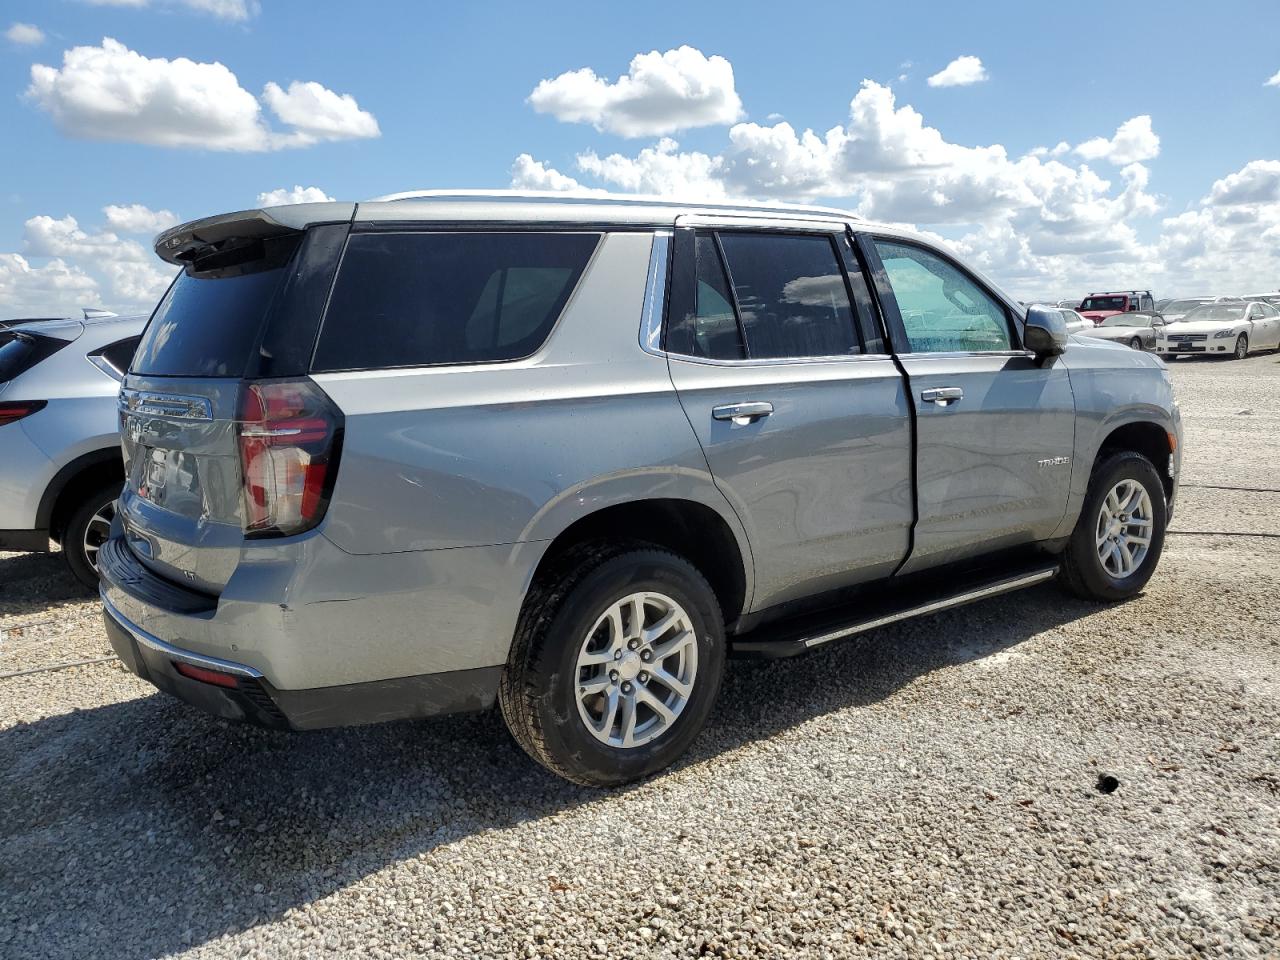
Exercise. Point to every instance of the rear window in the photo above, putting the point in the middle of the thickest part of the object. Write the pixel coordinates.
(1105, 303)
(207, 326)
(19, 352)
(423, 299)
(210, 321)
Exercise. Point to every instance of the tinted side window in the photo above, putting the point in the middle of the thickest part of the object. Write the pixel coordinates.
(716, 333)
(420, 299)
(120, 354)
(942, 310)
(792, 295)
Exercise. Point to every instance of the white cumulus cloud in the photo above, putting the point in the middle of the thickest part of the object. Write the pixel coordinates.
(317, 113)
(530, 174)
(137, 218)
(661, 93)
(234, 10)
(298, 194)
(134, 278)
(1134, 141)
(110, 92)
(56, 289)
(960, 72)
(25, 34)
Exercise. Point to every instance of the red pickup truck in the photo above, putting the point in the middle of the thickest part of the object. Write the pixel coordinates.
(1098, 306)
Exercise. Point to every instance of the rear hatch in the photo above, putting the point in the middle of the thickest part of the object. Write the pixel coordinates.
(224, 437)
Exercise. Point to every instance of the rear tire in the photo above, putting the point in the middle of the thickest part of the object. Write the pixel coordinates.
(573, 718)
(1105, 559)
(1242, 347)
(87, 530)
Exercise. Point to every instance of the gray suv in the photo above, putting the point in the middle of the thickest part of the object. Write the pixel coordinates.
(412, 456)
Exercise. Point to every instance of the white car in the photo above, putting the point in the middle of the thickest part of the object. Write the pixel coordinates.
(1075, 323)
(1225, 329)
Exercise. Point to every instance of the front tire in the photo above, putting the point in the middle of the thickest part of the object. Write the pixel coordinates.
(87, 530)
(615, 664)
(1135, 343)
(1242, 347)
(1118, 539)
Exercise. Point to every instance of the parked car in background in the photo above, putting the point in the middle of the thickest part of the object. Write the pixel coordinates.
(1137, 330)
(1098, 306)
(1230, 329)
(1070, 304)
(1178, 308)
(414, 455)
(1271, 298)
(1074, 322)
(60, 462)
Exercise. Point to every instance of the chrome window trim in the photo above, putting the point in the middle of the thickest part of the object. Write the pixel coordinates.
(105, 365)
(780, 361)
(655, 293)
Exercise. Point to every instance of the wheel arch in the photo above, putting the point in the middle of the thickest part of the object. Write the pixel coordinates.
(1146, 437)
(691, 528)
(83, 474)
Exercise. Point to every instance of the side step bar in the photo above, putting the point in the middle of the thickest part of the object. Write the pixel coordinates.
(775, 641)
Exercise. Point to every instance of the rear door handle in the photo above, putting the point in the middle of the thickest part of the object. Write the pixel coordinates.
(748, 412)
(942, 396)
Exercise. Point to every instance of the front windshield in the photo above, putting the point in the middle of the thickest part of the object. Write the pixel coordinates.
(1181, 306)
(1104, 303)
(1217, 311)
(1125, 320)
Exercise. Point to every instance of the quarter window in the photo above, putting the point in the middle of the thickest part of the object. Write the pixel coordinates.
(942, 310)
(420, 299)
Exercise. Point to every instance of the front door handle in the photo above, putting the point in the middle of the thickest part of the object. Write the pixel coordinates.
(942, 396)
(740, 413)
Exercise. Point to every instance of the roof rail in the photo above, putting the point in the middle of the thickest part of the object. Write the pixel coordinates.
(611, 199)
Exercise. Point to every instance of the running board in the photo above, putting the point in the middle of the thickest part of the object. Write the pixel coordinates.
(778, 640)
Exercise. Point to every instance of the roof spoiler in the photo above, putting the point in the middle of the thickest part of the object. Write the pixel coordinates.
(187, 242)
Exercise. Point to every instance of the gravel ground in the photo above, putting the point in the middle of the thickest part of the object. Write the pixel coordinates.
(929, 790)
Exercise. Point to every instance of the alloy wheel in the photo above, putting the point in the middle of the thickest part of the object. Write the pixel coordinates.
(636, 670)
(1242, 347)
(97, 532)
(1125, 525)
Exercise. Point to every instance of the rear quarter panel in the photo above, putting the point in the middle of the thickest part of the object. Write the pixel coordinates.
(448, 457)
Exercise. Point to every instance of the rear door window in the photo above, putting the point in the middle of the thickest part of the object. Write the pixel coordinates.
(424, 299)
(791, 294)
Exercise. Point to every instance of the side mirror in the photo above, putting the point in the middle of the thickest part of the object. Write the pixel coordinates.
(1045, 333)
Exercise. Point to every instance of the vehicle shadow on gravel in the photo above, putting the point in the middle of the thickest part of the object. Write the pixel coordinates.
(33, 582)
(145, 827)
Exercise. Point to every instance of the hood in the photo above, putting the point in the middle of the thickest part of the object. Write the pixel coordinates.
(1202, 326)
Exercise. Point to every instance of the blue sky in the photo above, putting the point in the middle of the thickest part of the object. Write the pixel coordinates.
(446, 89)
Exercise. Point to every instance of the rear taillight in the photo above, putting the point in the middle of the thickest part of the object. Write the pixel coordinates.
(15, 410)
(290, 437)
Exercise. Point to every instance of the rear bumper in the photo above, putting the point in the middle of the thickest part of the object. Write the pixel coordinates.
(252, 698)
